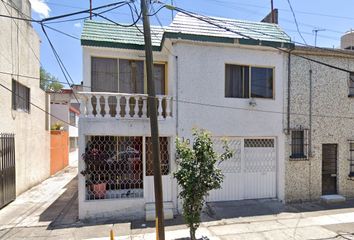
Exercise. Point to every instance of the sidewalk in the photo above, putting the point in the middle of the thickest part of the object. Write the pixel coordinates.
(50, 210)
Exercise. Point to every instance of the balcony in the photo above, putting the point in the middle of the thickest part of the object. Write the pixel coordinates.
(122, 106)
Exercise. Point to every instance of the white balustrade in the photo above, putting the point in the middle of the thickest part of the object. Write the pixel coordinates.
(126, 106)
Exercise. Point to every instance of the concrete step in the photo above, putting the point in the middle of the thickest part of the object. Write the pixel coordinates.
(150, 211)
(332, 199)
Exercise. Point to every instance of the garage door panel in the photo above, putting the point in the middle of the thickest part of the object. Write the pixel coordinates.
(251, 173)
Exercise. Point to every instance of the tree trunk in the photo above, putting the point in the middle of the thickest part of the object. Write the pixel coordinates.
(192, 233)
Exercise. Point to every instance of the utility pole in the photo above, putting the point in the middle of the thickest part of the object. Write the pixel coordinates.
(316, 30)
(90, 9)
(272, 10)
(152, 108)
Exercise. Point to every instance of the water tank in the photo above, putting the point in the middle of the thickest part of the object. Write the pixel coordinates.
(347, 40)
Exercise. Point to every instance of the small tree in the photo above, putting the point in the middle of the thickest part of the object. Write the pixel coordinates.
(48, 82)
(198, 174)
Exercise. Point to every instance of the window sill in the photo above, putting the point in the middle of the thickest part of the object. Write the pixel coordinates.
(298, 158)
(351, 174)
(351, 95)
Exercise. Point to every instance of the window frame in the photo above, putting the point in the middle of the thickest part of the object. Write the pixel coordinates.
(15, 95)
(250, 79)
(304, 145)
(351, 85)
(351, 158)
(132, 59)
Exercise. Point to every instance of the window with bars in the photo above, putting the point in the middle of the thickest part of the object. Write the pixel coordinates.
(164, 156)
(351, 159)
(20, 97)
(351, 84)
(299, 145)
(248, 82)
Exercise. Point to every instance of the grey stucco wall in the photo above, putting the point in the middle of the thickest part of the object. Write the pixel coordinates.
(332, 122)
(19, 49)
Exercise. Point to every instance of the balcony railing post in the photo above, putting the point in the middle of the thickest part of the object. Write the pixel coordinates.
(98, 105)
(144, 107)
(159, 110)
(83, 105)
(168, 107)
(127, 107)
(136, 107)
(89, 106)
(118, 107)
(106, 107)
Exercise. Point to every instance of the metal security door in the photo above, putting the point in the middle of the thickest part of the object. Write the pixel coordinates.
(7, 169)
(329, 169)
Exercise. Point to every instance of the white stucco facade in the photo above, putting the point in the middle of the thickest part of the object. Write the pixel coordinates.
(19, 47)
(196, 83)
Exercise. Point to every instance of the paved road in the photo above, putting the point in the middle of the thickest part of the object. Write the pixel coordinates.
(49, 211)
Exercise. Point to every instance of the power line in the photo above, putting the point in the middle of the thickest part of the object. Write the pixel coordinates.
(36, 106)
(295, 20)
(205, 19)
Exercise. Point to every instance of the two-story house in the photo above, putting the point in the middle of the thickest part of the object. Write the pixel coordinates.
(206, 77)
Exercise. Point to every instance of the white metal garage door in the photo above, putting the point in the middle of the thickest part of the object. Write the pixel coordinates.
(251, 173)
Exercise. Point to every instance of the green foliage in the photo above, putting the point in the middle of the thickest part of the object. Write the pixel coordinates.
(48, 82)
(57, 126)
(198, 174)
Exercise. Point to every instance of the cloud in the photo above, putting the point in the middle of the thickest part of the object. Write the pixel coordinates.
(40, 7)
(78, 25)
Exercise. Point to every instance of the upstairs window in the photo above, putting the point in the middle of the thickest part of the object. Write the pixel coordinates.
(351, 84)
(20, 97)
(299, 145)
(131, 76)
(72, 118)
(159, 78)
(248, 82)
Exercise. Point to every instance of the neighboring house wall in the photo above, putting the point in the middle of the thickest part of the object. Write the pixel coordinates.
(332, 122)
(19, 50)
(60, 111)
(201, 79)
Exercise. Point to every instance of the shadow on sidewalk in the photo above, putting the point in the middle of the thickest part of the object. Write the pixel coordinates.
(63, 213)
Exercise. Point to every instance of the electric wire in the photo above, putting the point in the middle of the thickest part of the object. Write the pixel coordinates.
(36, 106)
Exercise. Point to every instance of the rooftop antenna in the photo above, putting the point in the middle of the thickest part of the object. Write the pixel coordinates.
(316, 30)
(172, 10)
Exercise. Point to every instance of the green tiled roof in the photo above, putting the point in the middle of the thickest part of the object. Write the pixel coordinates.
(186, 27)
(111, 35)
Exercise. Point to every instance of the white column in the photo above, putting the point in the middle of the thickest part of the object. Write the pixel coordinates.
(127, 107)
(118, 107)
(106, 107)
(98, 106)
(89, 106)
(168, 107)
(144, 108)
(159, 110)
(136, 107)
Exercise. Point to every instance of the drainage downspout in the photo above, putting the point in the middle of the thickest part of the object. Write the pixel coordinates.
(310, 129)
(289, 85)
(177, 126)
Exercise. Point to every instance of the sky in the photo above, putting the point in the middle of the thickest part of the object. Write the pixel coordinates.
(332, 18)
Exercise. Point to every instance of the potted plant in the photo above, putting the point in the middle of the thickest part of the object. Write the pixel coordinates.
(96, 176)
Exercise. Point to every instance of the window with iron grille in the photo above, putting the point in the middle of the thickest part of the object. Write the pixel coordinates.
(20, 97)
(351, 158)
(351, 84)
(164, 156)
(299, 145)
(259, 143)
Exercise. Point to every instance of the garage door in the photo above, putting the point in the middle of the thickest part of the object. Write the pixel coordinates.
(251, 173)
